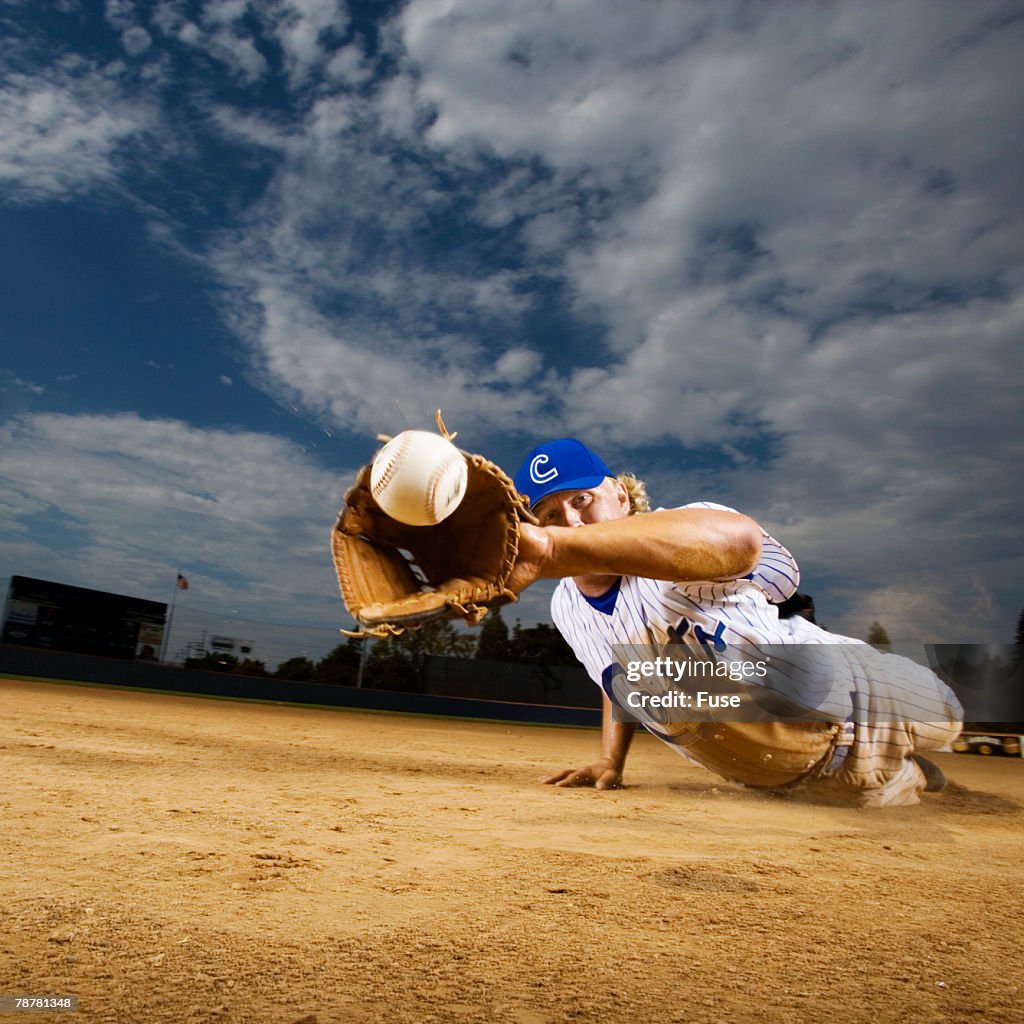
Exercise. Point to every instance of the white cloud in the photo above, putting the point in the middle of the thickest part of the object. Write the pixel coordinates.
(242, 34)
(252, 129)
(25, 385)
(300, 27)
(342, 229)
(564, 80)
(218, 31)
(347, 65)
(766, 119)
(367, 381)
(62, 132)
(248, 513)
(119, 13)
(236, 50)
(136, 40)
(518, 365)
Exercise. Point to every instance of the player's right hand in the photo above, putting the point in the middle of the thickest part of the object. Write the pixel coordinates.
(599, 775)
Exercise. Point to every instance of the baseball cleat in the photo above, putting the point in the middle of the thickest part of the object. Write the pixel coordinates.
(934, 777)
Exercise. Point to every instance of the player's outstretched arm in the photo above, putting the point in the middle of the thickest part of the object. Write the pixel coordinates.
(672, 544)
(606, 772)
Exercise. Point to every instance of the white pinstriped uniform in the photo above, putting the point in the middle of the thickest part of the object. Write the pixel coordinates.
(891, 705)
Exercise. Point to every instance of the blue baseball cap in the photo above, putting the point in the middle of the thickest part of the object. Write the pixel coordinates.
(563, 465)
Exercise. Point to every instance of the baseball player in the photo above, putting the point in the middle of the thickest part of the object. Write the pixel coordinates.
(707, 580)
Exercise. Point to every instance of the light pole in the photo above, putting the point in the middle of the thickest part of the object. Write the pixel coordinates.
(181, 583)
(364, 654)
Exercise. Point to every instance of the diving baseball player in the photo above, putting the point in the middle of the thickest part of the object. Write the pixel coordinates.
(706, 579)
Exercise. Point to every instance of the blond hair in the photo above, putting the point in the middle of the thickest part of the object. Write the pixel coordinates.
(638, 500)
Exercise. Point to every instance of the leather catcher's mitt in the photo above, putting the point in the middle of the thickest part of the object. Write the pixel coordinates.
(395, 577)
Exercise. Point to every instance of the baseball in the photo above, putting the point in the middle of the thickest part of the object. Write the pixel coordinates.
(418, 478)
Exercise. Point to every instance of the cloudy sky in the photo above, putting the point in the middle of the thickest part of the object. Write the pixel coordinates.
(763, 254)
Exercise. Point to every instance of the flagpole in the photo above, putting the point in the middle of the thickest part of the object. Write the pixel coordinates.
(170, 618)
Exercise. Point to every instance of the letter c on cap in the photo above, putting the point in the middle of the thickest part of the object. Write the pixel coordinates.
(536, 475)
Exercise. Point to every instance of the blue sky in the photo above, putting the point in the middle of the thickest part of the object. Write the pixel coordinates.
(767, 255)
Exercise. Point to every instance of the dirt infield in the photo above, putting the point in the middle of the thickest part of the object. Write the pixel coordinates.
(175, 859)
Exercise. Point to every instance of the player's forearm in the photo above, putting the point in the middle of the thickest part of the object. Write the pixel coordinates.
(674, 544)
(616, 737)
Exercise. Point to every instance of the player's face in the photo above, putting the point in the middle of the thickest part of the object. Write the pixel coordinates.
(609, 500)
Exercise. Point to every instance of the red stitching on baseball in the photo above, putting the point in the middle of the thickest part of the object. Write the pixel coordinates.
(433, 509)
(392, 464)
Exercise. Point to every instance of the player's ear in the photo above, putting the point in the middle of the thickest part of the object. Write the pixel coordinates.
(622, 495)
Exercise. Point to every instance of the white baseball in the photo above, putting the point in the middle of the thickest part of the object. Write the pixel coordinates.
(418, 478)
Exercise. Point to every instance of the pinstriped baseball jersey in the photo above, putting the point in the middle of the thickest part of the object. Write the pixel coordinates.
(741, 614)
(737, 614)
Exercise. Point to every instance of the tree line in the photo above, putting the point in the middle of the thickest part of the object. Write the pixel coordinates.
(389, 664)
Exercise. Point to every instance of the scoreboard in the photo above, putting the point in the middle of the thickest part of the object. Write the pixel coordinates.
(58, 617)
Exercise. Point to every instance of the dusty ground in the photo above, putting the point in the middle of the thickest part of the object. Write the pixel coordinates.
(173, 859)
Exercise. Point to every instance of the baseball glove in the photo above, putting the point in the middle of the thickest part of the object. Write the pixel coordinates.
(395, 577)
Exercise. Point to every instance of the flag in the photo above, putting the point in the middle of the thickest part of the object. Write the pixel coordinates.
(182, 582)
